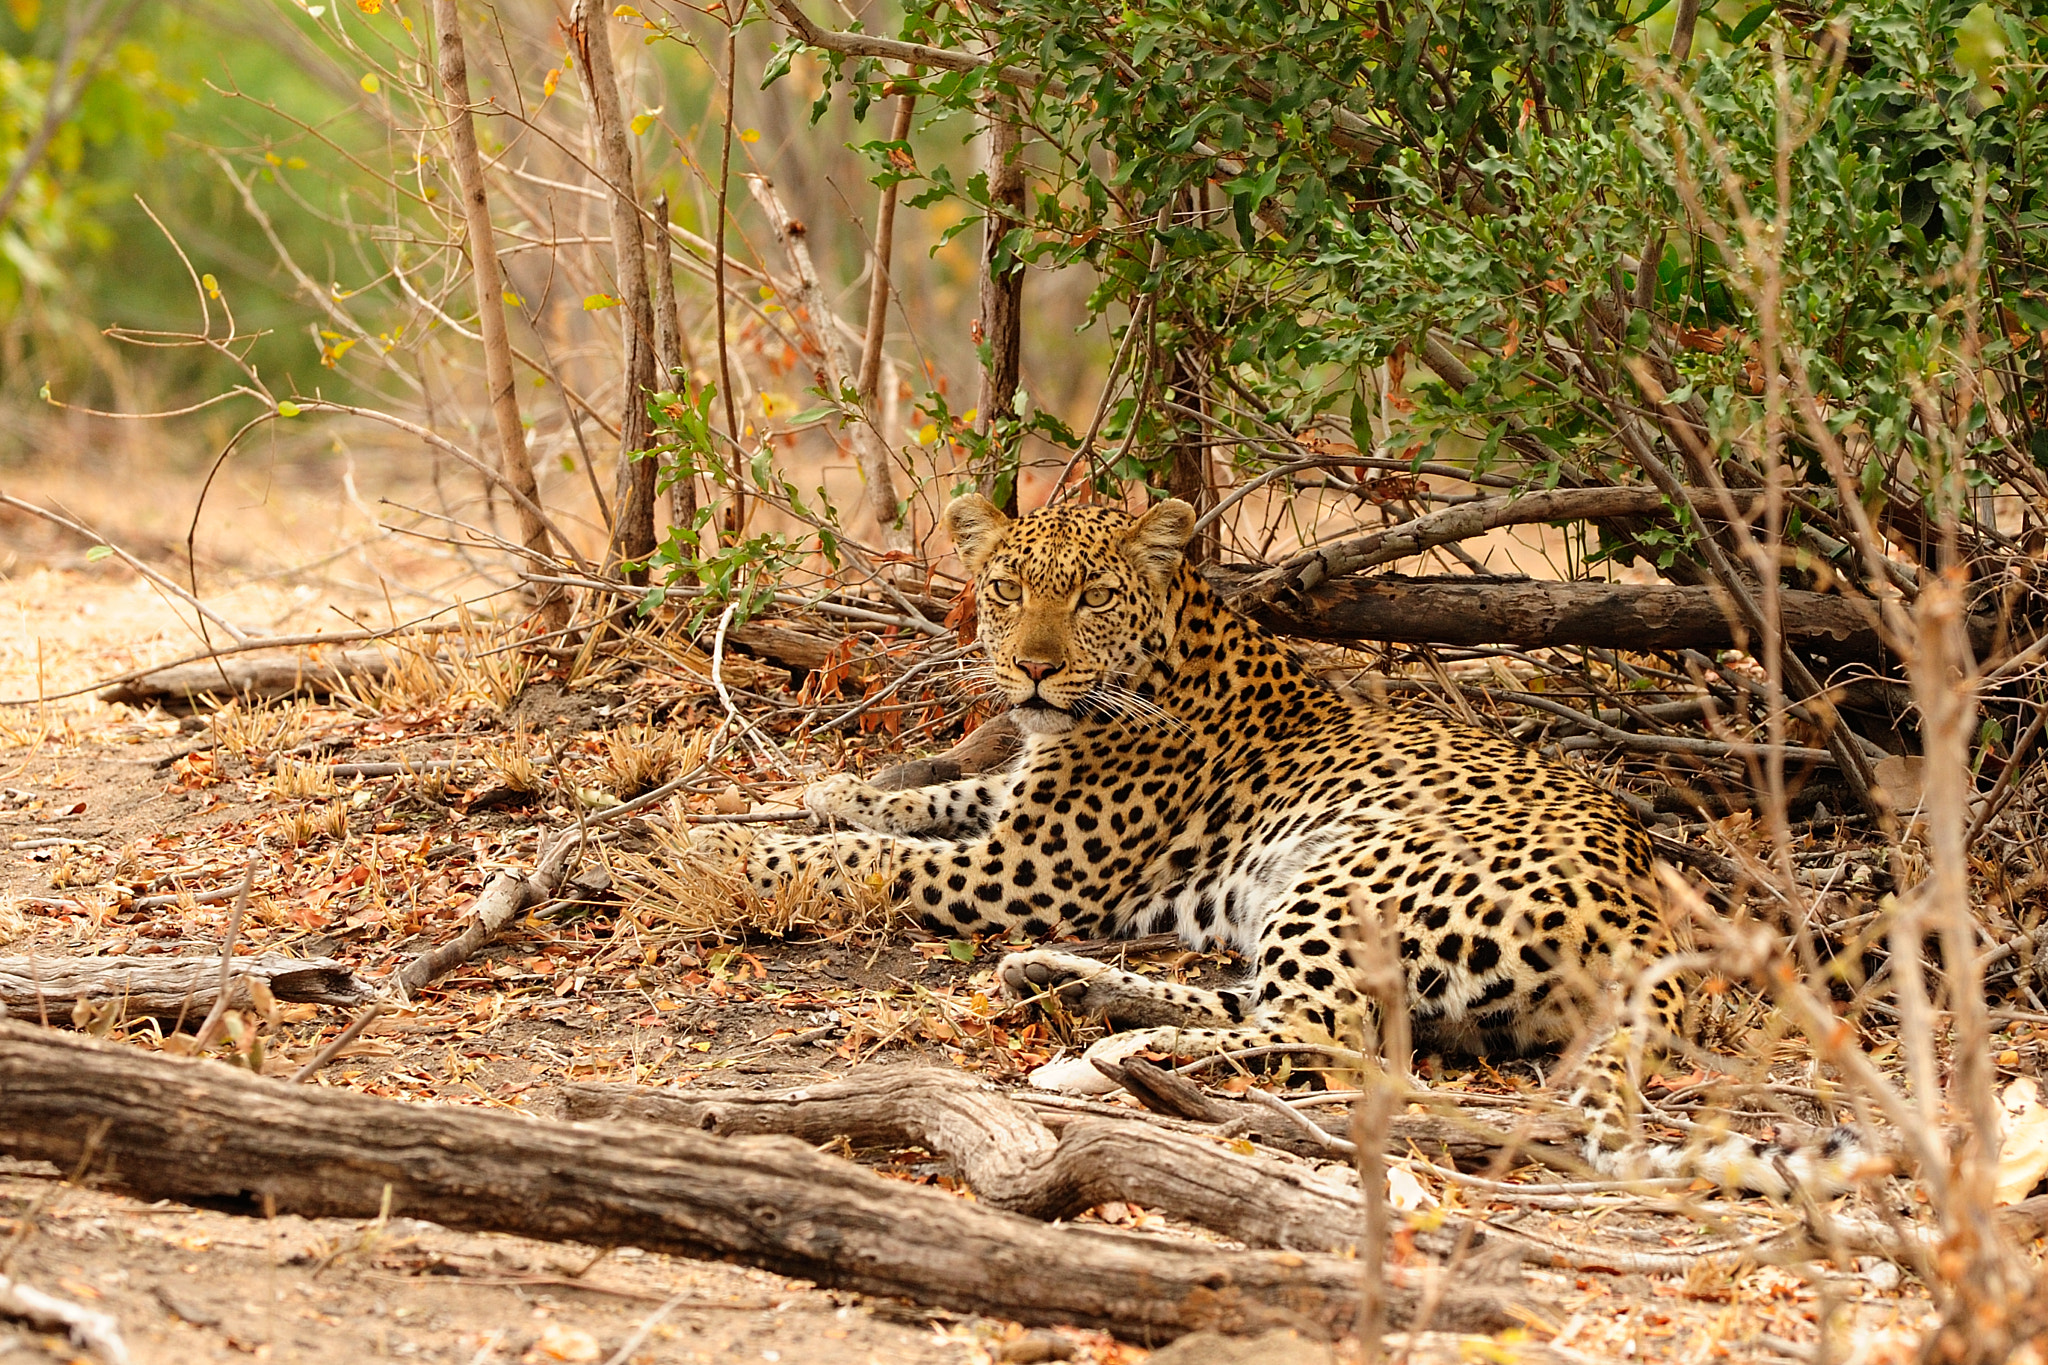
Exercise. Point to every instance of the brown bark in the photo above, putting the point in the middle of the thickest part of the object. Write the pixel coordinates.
(990, 745)
(1462, 521)
(50, 988)
(490, 303)
(1533, 613)
(1002, 290)
(1188, 476)
(672, 362)
(292, 675)
(870, 380)
(814, 317)
(590, 36)
(212, 1135)
(783, 644)
(1013, 1160)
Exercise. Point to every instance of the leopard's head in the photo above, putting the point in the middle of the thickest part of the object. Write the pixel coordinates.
(1074, 603)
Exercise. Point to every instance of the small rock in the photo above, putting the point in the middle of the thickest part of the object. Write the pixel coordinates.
(1035, 1347)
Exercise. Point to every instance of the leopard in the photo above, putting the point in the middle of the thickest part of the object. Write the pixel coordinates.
(1184, 772)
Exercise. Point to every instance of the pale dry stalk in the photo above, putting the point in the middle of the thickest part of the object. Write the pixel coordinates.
(632, 537)
(672, 358)
(814, 315)
(1381, 981)
(490, 304)
(869, 383)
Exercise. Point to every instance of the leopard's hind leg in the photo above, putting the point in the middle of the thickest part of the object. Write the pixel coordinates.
(1299, 994)
(1820, 1166)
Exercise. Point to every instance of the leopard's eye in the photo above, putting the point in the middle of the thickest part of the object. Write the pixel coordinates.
(1004, 590)
(1095, 597)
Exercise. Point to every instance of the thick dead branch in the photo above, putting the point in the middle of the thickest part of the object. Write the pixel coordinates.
(783, 644)
(513, 459)
(52, 988)
(1012, 1159)
(211, 1135)
(990, 745)
(590, 37)
(1532, 613)
(508, 896)
(1014, 1162)
(820, 327)
(1462, 522)
(253, 678)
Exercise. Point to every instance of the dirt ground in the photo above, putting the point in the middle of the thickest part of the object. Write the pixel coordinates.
(101, 806)
(99, 795)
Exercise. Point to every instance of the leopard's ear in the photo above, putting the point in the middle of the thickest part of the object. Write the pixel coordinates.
(976, 526)
(1159, 537)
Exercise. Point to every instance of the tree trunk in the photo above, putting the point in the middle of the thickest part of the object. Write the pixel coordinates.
(207, 1134)
(1188, 476)
(490, 303)
(633, 537)
(673, 363)
(1002, 294)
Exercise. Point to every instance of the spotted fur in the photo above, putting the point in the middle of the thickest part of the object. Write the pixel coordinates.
(1183, 772)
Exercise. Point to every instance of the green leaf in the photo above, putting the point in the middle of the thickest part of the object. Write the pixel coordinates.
(962, 950)
(1750, 22)
(287, 408)
(593, 302)
(99, 552)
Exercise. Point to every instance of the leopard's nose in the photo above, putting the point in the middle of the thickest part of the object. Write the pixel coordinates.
(1038, 670)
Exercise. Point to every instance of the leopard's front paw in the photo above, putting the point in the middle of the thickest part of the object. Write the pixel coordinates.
(722, 845)
(1040, 972)
(841, 797)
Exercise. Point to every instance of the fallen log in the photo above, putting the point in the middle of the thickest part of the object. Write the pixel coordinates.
(779, 642)
(1055, 1165)
(762, 1201)
(211, 1135)
(51, 988)
(1533, 613)
(257, 679)
(1013, 1161)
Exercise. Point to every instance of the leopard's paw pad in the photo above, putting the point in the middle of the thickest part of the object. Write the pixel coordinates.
(1041, 972)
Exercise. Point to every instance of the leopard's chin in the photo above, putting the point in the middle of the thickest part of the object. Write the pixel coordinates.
(1039, 717)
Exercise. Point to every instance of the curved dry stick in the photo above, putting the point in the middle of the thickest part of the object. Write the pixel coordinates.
(242, 637)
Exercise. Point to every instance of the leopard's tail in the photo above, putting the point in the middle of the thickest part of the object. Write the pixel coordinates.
(1819, 1166)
